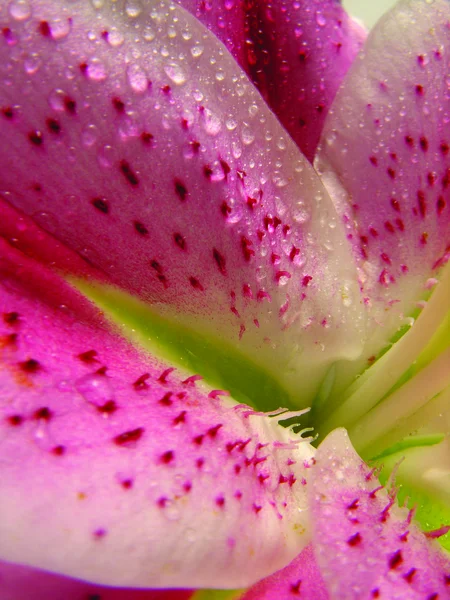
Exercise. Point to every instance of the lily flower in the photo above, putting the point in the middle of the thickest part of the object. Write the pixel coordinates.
(208, 211)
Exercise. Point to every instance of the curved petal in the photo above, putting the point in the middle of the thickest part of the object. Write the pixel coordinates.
(22, 583)
(300, 578)
(366, 546)
(296, 53)
(385, 158)
(113, 469)
(135, 125)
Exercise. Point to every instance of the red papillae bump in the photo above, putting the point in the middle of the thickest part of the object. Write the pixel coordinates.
(11, 318)
(179, 241)
(141, 382)
(101, 205)
(15, 420)
(70, 105)
(295, 587)
(43, 413)
(127, 484)
(58, 450)
(53, 125)
(44, 29)
(195, 283)
(140, 228)
(128, 173)
(166, 399)
(128, 437)
(8, 112)
(180, 190)
(354, 539)
(410, 574)
(30, 366)
(220, 261)
(146, 137)
(90, 356)
(423, 143)
(220, 501)
(36, 138)
(118, 104)
(181, 418)
(108, 408)
(395, 560)
(167, 457)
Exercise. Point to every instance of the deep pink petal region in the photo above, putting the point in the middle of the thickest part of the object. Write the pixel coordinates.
(117, 470)
(296, 53)
(385, 158)
(22, 583)
(366, 545)
(300, 579)
(135, 125)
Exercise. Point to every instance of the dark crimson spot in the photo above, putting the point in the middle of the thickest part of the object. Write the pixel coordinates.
(247, 249)
(431, 178)
(389, 227)
(395, 204)
(385, 258)
(390, 171)
(140, 228)
(200, 462)
(8, 112)
(141, 382)
(187, 486)
(166, 399)
(410, 574)
(44, 29)
(444, 148)
(146, 137)
(302, 55)
(167, 457)
(434, 596)
(83, 67)
(163, 377)
(127, 484)
(105, 35)
(198, 439)
(179, 241)
(181, 418)
(108, 408)
(212, 432)
(184, 124)
(155, 265)
(301, 122)
(220, 261)
(447, 579)
(15, 420)
(306, 279)
(207, 171)
(196, 284)
(58, 450)
(256, 508)
(420, 59)
(440, 205)
(128, 437)
(353, 505)
(373, 160)
(220, 501)
(375, 593)
(400, 224)
(11, 318)
(354, 539)
(409, 141)
(320, 108)
(101, 204)
(53, 125)
(423, 142)
(395, 560)
(180, 190)
(373, 232)
(90, 356)
(7, 33)
(37, 187)
(293, 253)
(420, 90)
(36, 138)
(43, 413)
(118, 104)
(421, 200)
(195, 146)
(225, 209)
(225, 167)
(128, 173)
(70, 105)
(295, 587)
(30, 366)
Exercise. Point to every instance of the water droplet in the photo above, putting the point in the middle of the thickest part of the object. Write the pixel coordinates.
(115, 38)
(96, 70)
(89, 135)
(247, 136)
(212, 122)
(95, 389)
(61, 29)
(171, 511)
(175, 73)
(32, 64)
(137, 78)
(19, 10)
(57, 99)
(231, 124)
(320, 19)
(133, 8)
(197, 51)
(149, 34)
(97, 4)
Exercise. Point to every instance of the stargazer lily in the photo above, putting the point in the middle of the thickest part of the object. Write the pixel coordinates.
(209, 210)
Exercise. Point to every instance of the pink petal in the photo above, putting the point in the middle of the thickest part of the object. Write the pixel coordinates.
(296, 53)
(366, 546)
(116, 470)
(301, 578)
(223, 225)
(24, 583)
(385, 157)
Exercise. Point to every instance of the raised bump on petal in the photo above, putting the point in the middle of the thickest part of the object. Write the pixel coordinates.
(222, 223)
(385, 158)
(365, 544)
(108, 458)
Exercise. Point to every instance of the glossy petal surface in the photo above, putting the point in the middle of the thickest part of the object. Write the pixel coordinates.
(385, 157)
(223, 225)
(301, 578)
(22, 583)
(296, 53)
(109, 458)
(366, 546)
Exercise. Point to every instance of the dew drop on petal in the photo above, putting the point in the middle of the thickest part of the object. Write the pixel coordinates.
(20, 10)
(95, 389)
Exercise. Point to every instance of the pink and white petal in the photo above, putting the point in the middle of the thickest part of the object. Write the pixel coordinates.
(301, 578)
(22, 583)
(366, 546)
(385, 159)
(115, 470)
(295, 53)
(223, 224)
